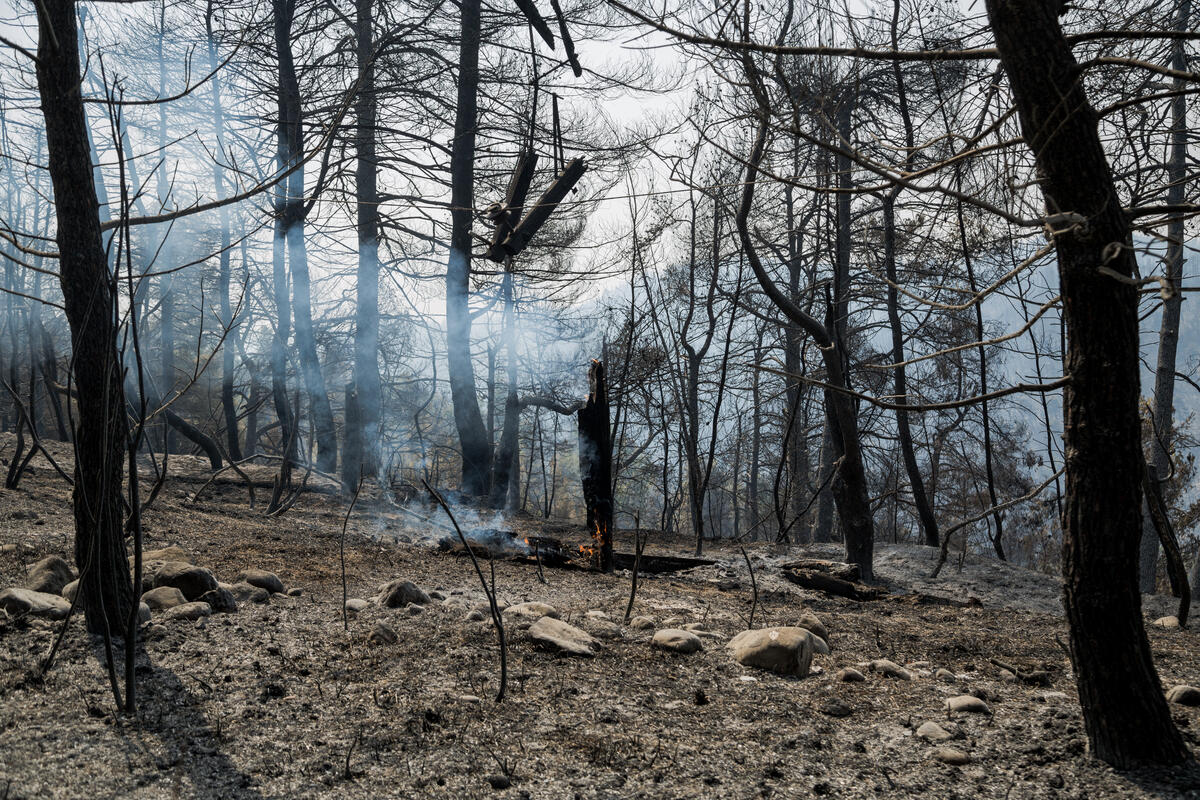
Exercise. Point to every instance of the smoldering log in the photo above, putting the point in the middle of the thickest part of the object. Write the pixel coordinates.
(595, 463)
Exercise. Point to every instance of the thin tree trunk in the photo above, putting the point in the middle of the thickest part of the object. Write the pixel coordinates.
(106, 592)
(476, 449)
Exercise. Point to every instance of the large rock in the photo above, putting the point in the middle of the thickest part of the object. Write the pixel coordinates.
(50, 575)
(399, 594)
(357, 604)
(163, 597)
(931, 731)
(192, 611)
(677, 640)
(1184, 695)
(18, 602)
(383, 634)
(967, 703)
(262, 579)
(554, 634)
(787, 651)
(890, 669)
(813, 625)
(246, 592)
(641, 623)
(193, 581)
(221, 600)
(530, 612)
(70, 590)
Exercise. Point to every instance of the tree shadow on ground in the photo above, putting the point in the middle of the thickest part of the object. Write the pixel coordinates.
(190, 756)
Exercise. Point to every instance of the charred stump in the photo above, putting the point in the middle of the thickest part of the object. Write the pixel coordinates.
(595, 464)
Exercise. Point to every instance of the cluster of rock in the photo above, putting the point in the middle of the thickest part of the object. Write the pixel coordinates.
(173, 588)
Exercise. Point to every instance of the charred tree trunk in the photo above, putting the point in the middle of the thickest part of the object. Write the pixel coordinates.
(472, 436)
(506, 453)
(106, 592)
(916, 483)
(1168, 331)
(362, 439)
(1125, 713)
(228, 405)
(595, 464)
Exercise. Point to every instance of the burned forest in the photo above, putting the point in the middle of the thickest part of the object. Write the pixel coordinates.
(599, 399)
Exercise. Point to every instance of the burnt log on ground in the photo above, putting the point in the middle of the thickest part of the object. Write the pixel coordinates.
(551, 552)
(820, 581)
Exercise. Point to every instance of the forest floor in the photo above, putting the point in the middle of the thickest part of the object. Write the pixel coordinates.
(277, 700)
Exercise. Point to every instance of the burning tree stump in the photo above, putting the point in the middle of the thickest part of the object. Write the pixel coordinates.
(595, 464)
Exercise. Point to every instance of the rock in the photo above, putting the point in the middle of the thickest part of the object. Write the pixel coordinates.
(143, 613)
(70, 590)
(221, 600)
(641, 623)
(49, 575)
(850, 675)
(399, 594)
(812, 624)
(476, 615)
(837, 708)
(193, 581)
(1184, 695)
(820, 647)
(295, 591)
(968, 703)
(677, 641)
(192, 611)
(382, 634)
(413, 609)
(262, 579)
(1007, 676)
(949, 755)
(556, 635)
(163, 597)
(933, 732)
(357, 604)
(154, 632)
(604, 629)
(697, 627)
(787, 651)
(1167, 622)
(530, 611)
(437, 594)
(246, 592)
(890, 669)
(596, 613)
(19, 602)
(943, 674)
(171, 553)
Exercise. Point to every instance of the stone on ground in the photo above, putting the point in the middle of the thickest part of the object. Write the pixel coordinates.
(967, 703)
(295, 591)
(787, 651)
(820, 646)
(170, 553)
(192, 611)
(554, 634)
(850, 675)
(836, 708)
(193, 581)
(890, 669)
(933, 732)
(943, 674)
(262, 579)
(1184, 695)
(476, 615)
(70, 590)
(383, 634)
(811, 623)
(246, 592)
(50, 575)
(221, 600)
(1167, 622)
(163, 597)
(531, 611)
(143, 613)
(677, 640)
(412, 609)
(17, 602)
(641, 623)
(949, 755)
(357, 604)
(399, 593)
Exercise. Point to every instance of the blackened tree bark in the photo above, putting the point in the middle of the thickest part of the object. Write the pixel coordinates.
(1125, 713)
(473, 438)
(1168, 331)
(106, 592)
(228, 405)
(291, 141)
(595, 463)
(362, 439)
